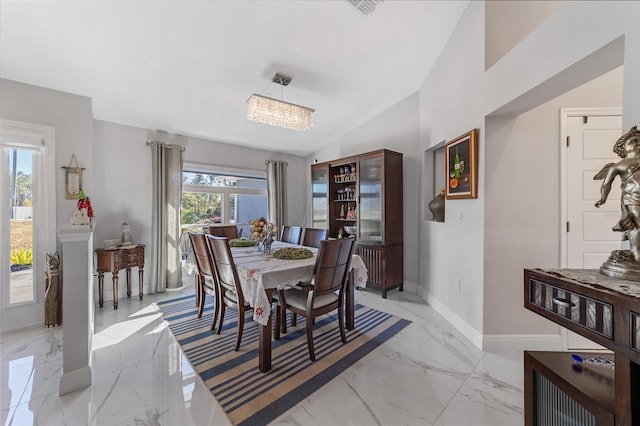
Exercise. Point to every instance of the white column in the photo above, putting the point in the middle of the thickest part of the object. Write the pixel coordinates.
(77, 307)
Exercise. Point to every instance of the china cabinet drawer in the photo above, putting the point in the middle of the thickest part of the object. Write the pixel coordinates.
(594, 315)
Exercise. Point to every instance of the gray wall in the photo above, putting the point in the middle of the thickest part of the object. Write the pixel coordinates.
(522, 201)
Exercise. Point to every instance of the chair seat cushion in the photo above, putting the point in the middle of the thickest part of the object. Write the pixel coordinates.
(298, 299)
(231, 296)
(208, 283)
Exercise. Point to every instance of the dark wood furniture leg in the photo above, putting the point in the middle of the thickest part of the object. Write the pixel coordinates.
(140, 276)
(264, 346)
(115, 289)
(350, 302)
(100, 288)
(128, 282)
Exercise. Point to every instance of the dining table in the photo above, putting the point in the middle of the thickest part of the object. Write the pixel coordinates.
(260, 274)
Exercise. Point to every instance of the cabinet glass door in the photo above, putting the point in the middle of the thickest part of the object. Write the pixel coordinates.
(370, 214)
(320, 197)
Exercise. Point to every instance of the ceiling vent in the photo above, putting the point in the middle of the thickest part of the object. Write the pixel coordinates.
(365, 6)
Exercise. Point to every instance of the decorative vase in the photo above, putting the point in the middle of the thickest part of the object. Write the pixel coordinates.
(436, 206)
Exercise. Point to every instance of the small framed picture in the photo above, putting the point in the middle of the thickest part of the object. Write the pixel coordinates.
(461, 157)
(72, 179)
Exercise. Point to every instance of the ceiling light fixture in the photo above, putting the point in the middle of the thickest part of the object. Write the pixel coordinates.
(263, 109)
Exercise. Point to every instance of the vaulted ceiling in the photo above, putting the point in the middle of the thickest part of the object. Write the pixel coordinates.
(188, 67)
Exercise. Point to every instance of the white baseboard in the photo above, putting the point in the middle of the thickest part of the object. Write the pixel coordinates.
(410, 286)
(533, 342)
(74, 380)
(461, 325)
(493, 342)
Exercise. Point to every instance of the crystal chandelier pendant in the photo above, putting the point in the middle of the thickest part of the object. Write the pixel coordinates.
(263, 109)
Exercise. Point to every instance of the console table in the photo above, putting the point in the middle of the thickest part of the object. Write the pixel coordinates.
(116, 259)
(603, 309)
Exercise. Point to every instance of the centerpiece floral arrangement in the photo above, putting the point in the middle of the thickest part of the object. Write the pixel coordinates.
(264, 232)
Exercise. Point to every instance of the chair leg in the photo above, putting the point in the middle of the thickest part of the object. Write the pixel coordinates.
(294, 319)
(216, 312)
(222, 309)
(343, 336)
(197, 281)
(240, 327)
(309, 322)
(282, 312)
(199, 296)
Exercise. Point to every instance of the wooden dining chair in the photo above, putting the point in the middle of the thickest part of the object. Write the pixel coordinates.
(313, 236)
(229, 231)
(323, 294)
(291, 234)
(206, 279)
(230, 291)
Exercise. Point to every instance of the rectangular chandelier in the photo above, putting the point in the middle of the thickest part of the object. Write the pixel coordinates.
(263, 109)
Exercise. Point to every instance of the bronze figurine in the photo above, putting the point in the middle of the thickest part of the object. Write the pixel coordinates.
(624, 263)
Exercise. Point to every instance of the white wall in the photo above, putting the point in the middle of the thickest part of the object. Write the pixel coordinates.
(122, 189)
(118, 163)
(72, 118)
(451, 104)
(395, 129)
(522, 202)
(579, 42)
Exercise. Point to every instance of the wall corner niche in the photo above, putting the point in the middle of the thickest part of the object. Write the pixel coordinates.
(434, 164)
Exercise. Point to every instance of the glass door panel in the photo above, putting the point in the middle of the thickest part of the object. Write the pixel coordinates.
(320, 197)
(20, 191)
(370, 174)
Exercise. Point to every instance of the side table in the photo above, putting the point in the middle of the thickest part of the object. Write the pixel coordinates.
(116, 259)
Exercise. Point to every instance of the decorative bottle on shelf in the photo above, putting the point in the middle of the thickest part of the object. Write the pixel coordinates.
(456, 165)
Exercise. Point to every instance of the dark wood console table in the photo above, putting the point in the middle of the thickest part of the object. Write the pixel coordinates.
(116, 259)
(603, 309)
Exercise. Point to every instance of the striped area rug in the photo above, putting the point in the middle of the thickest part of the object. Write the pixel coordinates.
(250, 397)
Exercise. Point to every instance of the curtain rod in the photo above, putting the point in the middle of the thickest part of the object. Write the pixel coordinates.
(164, 145)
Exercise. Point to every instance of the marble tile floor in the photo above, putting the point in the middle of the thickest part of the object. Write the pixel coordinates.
(425, 375)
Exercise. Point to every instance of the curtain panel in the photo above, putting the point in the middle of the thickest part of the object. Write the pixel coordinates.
(277, 192)
(165, 261)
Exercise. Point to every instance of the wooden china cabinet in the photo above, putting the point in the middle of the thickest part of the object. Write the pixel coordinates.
(364, 191)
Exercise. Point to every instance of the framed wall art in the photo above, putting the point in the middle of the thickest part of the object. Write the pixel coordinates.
(72, 179)
(461, 160)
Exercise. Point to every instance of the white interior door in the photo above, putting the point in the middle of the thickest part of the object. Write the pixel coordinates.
(589, 239)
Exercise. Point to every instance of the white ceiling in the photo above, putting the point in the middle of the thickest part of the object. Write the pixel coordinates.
(188, 67)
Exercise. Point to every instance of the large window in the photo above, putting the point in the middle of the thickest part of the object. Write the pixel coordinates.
(233, 197)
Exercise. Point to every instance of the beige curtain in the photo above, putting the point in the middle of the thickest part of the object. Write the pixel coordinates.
(277, 192)
(166, 270)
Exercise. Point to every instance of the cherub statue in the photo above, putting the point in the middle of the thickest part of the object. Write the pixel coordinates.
(628, 169)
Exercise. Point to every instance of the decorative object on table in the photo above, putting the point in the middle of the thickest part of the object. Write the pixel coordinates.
(242, 242)
(83, 215)
(594, 360)
(111, 243)
(264, 232)
(461, 165)
(72, 179)
(292, 253)
(126, 234)
(436, 206)
(225, 373)
(624, 264)
(53, 292)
